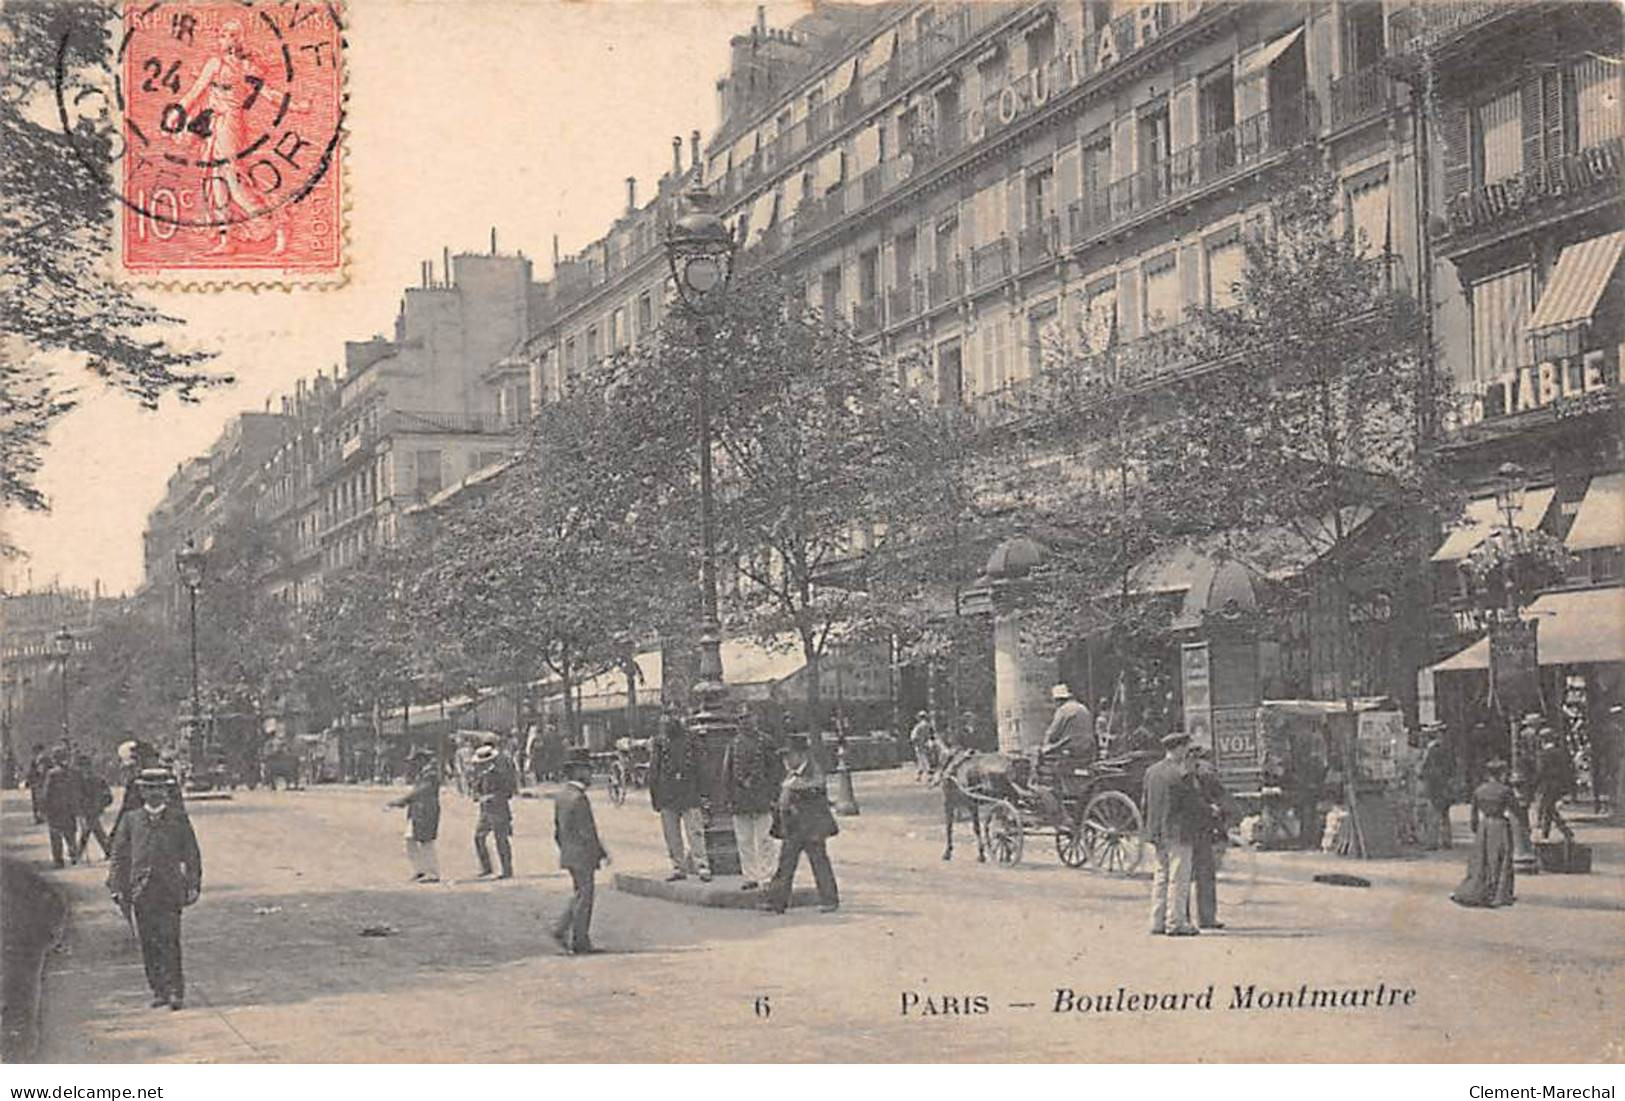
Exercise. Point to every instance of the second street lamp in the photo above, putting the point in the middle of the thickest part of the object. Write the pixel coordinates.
(700, 252)
(189, 564)
(64, 651)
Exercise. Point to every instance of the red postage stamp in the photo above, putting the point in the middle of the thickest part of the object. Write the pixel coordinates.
(233, 117)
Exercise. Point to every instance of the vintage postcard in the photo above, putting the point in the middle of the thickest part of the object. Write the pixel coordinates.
(830, 532)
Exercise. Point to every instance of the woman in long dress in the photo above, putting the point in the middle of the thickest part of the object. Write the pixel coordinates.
(1489, 879)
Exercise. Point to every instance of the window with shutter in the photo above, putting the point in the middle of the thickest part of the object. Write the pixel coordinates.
(1456, 151)
(1501, 306)
(1597, 106)
(1162, 293)
(1499, 127)
(1226, 258)
(1368, 211)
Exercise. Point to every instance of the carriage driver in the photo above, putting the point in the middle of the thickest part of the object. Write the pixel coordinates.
(1070, 740)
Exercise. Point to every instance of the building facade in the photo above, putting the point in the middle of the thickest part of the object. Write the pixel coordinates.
(1524, 106)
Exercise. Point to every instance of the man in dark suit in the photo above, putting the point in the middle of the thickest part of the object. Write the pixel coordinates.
(157, 870)
(62, 800)
(1438, 776)
(676, 767)
(94, 797)
(580, 853)
(1172, 819)
(1215, 815)
(422, 805)
(1554, 778)
(805, 824)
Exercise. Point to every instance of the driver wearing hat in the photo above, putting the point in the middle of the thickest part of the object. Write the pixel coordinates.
(1071, 734)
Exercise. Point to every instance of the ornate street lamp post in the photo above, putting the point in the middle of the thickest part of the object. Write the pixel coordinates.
(700, 252)
(189, 564)
(1511, 486)
(64, 651)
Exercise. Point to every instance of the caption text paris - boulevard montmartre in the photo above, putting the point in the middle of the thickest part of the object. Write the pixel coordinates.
(1121, 999)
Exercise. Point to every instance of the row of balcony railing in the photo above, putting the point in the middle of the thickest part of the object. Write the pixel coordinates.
(1597, 168)
(407, 422)
(1426, 23)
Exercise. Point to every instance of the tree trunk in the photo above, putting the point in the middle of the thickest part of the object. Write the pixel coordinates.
(629, 669)
(571, 731)
(815, 700)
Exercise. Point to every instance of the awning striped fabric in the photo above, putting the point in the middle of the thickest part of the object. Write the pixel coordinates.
(1577, 283)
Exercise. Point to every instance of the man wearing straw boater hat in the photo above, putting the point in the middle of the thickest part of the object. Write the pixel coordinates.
(580, 853)
(157, 870)
(493, 786)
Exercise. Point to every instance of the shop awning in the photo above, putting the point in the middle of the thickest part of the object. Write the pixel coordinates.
(1483, 516)
(1576, 628)
(1264, 58)
(1577, 283)
(1601, 519)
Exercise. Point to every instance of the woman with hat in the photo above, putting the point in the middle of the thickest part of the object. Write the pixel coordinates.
(1489, 881)
(805, 825)
(156, 871)
(422, 805)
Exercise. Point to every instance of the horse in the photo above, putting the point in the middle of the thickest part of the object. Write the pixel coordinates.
(969, 776)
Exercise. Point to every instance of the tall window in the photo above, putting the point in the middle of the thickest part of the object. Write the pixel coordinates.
(428, 473)
(1040, 196)
(1101, 321)
(617, 329)
(1501, 307)
(1368, 198)
(947, 242)
(1226, 259)
(1040, 330)
(1162, 301)
(903, 253)
(1499, 130)
(868, 275)
(1155, 137)
(592, 345)
(1597, 106)
(830, 292)
(646, 313)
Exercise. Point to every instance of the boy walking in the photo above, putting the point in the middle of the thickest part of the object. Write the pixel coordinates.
(157, 871)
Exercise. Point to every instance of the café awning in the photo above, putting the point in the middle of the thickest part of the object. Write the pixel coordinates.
(1580, 627)
(1576, 284)
(1601, 519)
(1483, 516)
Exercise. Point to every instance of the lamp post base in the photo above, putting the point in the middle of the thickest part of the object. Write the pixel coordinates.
(715, 728)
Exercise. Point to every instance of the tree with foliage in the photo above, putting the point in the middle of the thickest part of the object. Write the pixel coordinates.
(61, 310)
(564, 568)
(817, 453)
(1307, 417)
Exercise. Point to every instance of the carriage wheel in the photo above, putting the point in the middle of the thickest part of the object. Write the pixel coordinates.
(617, 784)
(1072, 843)
(1004, 833)
(1111, 828)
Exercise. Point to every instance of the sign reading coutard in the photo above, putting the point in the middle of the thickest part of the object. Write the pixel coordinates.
(1123, 1000)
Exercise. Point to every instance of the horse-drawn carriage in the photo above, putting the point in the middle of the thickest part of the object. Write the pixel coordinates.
(1093, 814)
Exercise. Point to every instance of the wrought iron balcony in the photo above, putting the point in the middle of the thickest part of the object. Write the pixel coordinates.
(1360, 95)
(1541, 186)
(1424, 25)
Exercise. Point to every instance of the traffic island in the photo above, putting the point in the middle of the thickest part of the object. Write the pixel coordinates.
(722, 893)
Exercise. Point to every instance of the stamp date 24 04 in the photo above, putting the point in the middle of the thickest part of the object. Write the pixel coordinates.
(233, 117)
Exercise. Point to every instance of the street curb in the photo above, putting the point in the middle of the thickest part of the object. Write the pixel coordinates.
(27, 946)
(722, 893)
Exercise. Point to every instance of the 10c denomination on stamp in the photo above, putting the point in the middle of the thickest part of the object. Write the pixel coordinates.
(233, 121)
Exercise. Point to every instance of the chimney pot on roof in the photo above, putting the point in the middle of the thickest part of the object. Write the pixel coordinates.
(445, 265)
(631, 194)
(694, 148)
(493, 240)
(676, 156)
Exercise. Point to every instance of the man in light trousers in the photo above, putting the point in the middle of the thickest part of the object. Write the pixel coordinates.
(1172, 818)
(751, 774)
